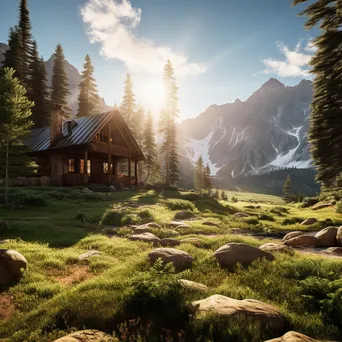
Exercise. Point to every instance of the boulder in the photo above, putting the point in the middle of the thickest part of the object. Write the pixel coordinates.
(327, 237)
(145, 237)
(90, 335)
(142, 229)
(181, 260)
(309, 221)
(292, 235)
(241, 215)
(183, 215)
(12, 265)
(193, 285)
(335, 250)
(152, 225)
(232, 253)
(321, 206)
(275, 247)
(293, 336)
(169, 242)
(339, 237)
(209, 223)
(252, 310)
(303, 240)
(89, 254)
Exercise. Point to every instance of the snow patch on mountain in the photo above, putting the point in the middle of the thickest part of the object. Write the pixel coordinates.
(195, 148)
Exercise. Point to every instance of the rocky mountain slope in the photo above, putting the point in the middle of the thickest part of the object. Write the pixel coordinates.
(266, 132)
(74, 78)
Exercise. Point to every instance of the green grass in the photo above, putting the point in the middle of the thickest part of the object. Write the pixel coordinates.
(60, 293)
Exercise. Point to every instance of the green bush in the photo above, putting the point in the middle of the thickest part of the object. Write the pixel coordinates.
(292, 220)
(146, 215)
(192, 196)
(113, 217)
(251, 220)
(234, 199)
(309, 202)
(179, 204)
(338, 207)
(18, 199)
(265, 217)
(85, 218)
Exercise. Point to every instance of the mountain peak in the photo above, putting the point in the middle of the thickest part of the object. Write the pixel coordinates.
(273, 83)
(237, 101)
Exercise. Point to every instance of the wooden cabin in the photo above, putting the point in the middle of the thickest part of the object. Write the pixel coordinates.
(86, 151)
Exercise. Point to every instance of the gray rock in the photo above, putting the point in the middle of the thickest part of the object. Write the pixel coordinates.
(181, 260)
(89, 335)
(89, 254)
(335, 250)
(183, 215)
(145, 237)
(293, 336)
(193, 285)
(142, 229)
(292, 235)
(239, 215)
(339, 237)
(252, 310)
(12, 265)
(233, 253)
(152, 225)
(303, 240)
(309, 221)
(327, 237)
(275, 247)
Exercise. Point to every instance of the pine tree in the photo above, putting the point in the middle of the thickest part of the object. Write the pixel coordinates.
(15, 112)
(199, 173)
(60, 90)
(224, 196)
(326, 119)
(14, 56)
(169, 115)
(287, 186)
(150, 150)
(127, 107)
(207, 178)
(139, 119)
(39, 93)
(88, 99)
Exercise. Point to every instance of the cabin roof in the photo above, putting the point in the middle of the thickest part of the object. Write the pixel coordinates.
(82, 132)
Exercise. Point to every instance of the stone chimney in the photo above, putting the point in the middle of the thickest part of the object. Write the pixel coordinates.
(56, 129)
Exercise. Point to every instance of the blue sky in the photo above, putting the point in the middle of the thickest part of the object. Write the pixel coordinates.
(221, 49)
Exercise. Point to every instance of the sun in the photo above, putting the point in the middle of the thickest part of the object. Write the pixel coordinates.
(152, 95)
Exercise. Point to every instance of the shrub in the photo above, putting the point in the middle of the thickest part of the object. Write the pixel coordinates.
(292, 220)
(265, 217)
(85, 218)
(338, 207)
(112, 217)
(22, 198)
(179, 204)
(224, 196)
(146, 215)
(192, 196)
(234, 199)
(251, 220)
(309, 201)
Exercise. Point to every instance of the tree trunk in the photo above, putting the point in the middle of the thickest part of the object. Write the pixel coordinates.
(7, 164)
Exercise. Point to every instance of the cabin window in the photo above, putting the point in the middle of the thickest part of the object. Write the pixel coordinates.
(71, 165)
(89, 167)
(102, 136)
(105, 167)
(81, 165)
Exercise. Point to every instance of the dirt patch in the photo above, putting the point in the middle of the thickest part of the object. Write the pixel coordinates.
(7, 307)
(76, 275)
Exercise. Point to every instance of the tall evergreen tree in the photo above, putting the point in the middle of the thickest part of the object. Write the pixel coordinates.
(127, 107)
(60, 85)
(88, 100)
(207, 183)
(325, 133)
(15, 112)
(14, 56)
(39, 93)
(150, 150)
(199, 174)
(168, 118)
(287, 186)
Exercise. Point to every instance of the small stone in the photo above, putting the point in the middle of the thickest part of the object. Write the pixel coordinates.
(193, 285)
(152, 225)
(239, 215)
(89, 254)
(184, 215)
(275, 247)
(309, 221)
(335, 250)
(90, 335)
(145, 237)
(142, 229)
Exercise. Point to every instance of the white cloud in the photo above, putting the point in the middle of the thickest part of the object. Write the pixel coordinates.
(295, 63)
(111, 23)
